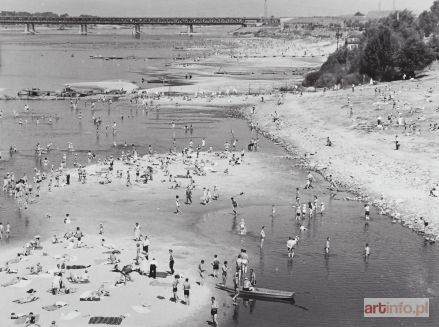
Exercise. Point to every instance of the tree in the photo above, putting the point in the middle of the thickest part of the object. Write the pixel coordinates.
(359, 14)
(379, 54)
(414, 55)
(433, 43)
(427, 23)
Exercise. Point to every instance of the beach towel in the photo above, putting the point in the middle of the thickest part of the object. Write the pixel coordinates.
(106, 320)
(26, 299)
(74, 281)
(77, 266)
(71, 315)
(55, 306)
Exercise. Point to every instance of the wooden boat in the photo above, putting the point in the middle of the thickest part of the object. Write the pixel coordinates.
(260, 293)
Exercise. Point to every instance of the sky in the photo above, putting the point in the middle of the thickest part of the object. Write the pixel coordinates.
(224, 8)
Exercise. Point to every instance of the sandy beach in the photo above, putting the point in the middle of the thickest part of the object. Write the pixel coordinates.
(118, 207)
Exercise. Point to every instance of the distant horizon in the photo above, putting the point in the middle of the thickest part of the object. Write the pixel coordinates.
(212, 8)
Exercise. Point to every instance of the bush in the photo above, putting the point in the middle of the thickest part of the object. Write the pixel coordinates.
(311, 78)
(326, 80)
(354, 78)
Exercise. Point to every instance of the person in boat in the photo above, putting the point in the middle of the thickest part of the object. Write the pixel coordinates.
(247, 285)
(252, 278)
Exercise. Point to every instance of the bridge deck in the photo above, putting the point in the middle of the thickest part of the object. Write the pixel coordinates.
(135, 20)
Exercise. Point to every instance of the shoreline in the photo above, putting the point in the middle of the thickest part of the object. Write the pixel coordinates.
(307, 147)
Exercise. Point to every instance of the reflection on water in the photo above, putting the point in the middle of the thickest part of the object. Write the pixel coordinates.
(330, 288)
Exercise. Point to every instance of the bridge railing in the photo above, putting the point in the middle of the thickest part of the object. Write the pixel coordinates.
(134, 20)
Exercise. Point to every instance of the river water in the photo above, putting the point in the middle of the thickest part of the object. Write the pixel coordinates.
(330, 290)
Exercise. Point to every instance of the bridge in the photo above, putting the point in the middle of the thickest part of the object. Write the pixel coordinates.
(136, 22)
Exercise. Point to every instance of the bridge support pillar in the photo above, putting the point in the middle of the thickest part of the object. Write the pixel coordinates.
(29, 29)
(190, 29)
(136, 31)
(83, 29)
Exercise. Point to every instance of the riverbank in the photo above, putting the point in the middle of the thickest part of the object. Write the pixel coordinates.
(363, 157)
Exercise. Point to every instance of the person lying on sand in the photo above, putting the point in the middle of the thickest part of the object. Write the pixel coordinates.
(107, 245)
(84, 278)
(35, 270)
(55, 240)
(125, 273)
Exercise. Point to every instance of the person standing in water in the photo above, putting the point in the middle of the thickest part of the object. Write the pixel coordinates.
(262, 236)
(234, 206)
(291, 243)
(366, 251)
(327, 246)
(201, 271)
(8, 230)
(214, 311)
(215, 266)
(366, 211)
(224, 270)
(171, 261)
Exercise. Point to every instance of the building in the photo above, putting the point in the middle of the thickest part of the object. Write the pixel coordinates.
(353, 40)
